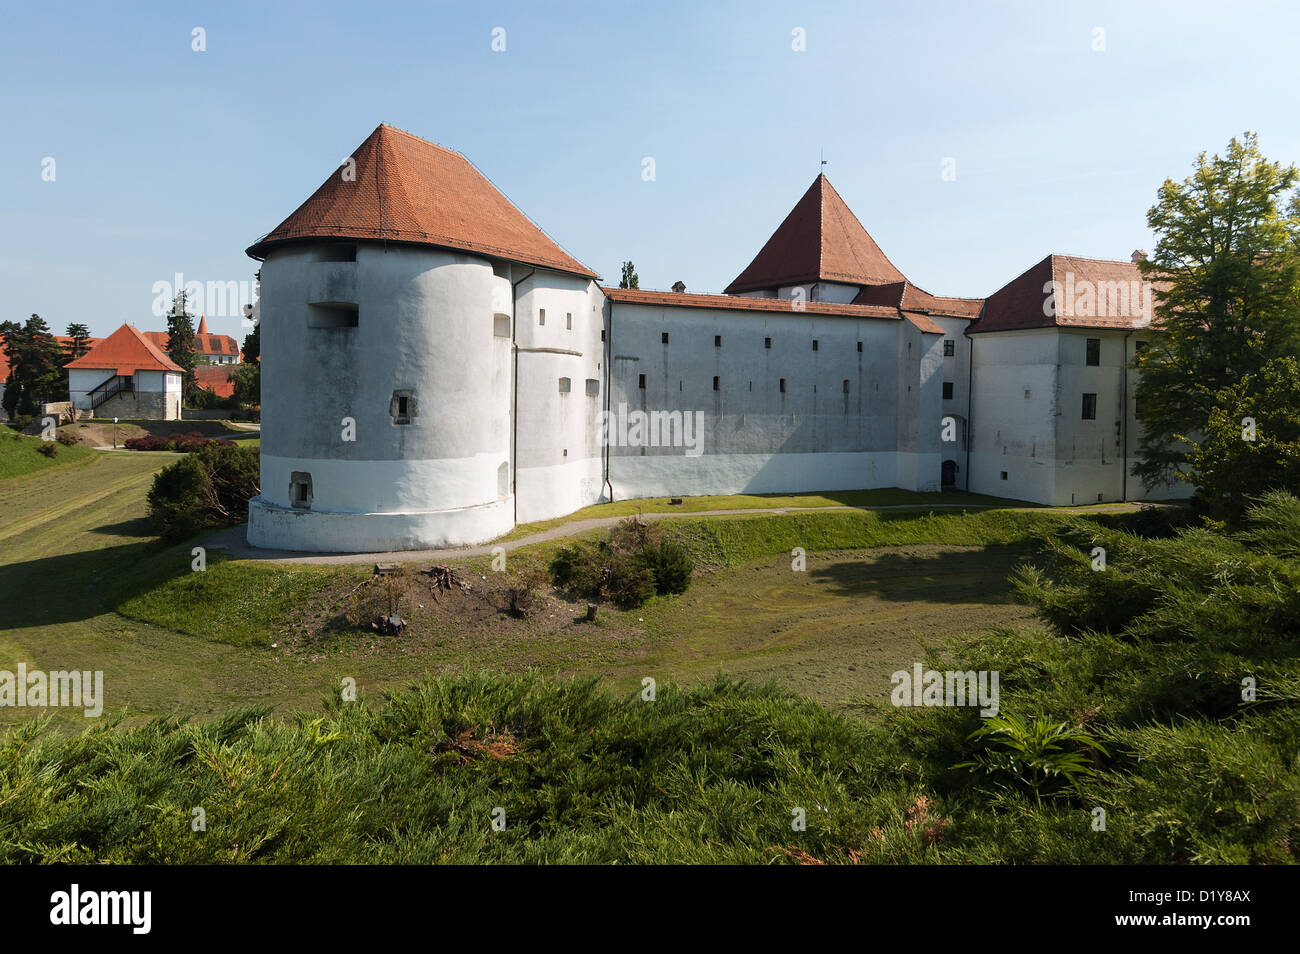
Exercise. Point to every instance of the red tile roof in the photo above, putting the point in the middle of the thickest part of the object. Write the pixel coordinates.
(203, 344)
(214, 378)
(637, 296)
(907, 297)
(1094, 293)
(409, 190)
(820, 240)
(124, 352)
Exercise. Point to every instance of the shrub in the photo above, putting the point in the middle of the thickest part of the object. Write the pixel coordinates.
(66, 439)
(50, 449)
(630, 566)
(187, 443)
(210, 487)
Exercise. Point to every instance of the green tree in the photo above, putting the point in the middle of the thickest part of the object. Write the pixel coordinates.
(36, 374)
(180, 343)
(629, 279)
(247, 379)
(253, 344)
(1226, 270)
(79, 334)
(1251, 443)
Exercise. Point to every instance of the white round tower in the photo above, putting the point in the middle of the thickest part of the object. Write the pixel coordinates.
(387, 355)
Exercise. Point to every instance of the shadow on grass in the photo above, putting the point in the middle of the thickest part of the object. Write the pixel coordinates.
(975, 576)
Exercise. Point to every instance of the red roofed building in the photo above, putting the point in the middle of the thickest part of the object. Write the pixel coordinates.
(484, 378)
(126, 375)
(217, 349)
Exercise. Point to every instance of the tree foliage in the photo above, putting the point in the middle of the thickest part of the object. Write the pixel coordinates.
(1251, 442)
(629, 278)
(180, 343)
(36, 360)
(210, 487)
(1226, 269)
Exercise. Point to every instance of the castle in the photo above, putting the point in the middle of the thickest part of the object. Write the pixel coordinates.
(435, 369)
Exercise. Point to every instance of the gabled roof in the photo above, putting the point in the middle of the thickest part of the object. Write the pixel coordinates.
(637, 296)
(125, 352)
(1088, 293)
(216, 378)
(406, 189)
(907, 297)
(820, 240)
(203, 343)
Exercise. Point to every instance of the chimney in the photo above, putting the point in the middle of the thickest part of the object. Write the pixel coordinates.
(1139, 255)
(679, 287)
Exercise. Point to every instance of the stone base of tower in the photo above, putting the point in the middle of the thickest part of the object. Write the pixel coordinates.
(322, 531)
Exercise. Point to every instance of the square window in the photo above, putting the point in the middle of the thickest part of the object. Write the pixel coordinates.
(593, 387)
(300, 490)
(1090, 407)
(1092, 357)
(949, 347)
(947, 390)
(565, 385)
(1004, 475)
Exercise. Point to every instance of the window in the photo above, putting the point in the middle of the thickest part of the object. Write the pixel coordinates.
(816, 344)
(402, 406)
(640, 381)
(501, 326)
(846, 385)
(715, 382)
(565, 385)
(602, 334)
(947, 390)
(664, 338)
(949, 347)
(1092, 357)
(1139, 347)
(568, 321)
(783, 385)
(503, 479)
(300, 490)
(541, 316)
(859, 347)
(593, 387)
(337, 253)
(332, 314)
(767, 342)
(717, 341)
(1090, 407)
(1004, 475)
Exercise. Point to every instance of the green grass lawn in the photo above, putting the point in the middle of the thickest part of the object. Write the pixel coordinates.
(92, 589)
(884, 497)
(21, 456)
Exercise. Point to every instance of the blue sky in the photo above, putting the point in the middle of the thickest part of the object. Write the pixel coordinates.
(169, 160)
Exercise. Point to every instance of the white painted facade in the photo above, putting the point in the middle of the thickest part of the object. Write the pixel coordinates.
(164, 384)
(1030, 439)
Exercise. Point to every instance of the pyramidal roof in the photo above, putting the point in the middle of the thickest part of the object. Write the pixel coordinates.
(820, 240)
(406, 189)
(125, 352)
